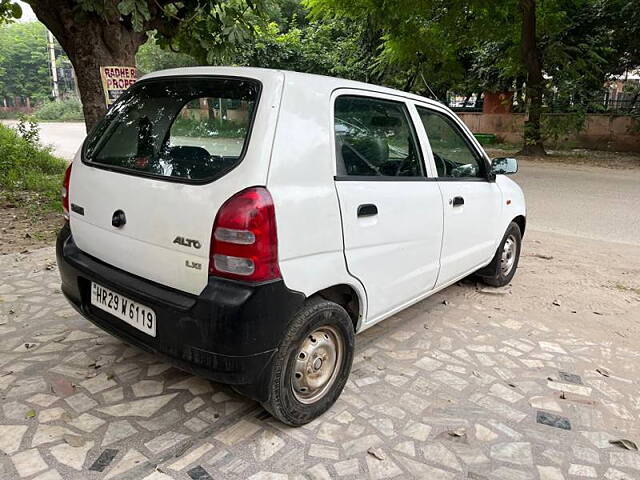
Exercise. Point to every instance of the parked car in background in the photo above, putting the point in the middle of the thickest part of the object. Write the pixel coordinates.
(246, 223)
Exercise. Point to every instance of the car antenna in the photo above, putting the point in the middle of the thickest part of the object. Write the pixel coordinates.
(427, 85)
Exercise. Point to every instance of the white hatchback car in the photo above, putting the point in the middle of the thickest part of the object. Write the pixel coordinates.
(247, 223)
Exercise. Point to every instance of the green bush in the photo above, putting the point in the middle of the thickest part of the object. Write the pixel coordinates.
(65, 111)
(26, 166)
(8, 115)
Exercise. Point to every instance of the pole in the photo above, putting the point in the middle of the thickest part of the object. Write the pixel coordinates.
(54, 70)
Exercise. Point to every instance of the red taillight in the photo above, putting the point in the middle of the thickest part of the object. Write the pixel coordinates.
(244, 243)
(64, 191)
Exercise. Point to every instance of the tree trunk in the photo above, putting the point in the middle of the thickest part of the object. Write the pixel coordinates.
(533, 144)
(90, 83)
(94, 43)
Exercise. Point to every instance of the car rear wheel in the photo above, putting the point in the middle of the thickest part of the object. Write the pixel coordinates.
(312, 364)
(505, 262)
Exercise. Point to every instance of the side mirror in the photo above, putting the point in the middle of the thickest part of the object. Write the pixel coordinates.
(504, 166)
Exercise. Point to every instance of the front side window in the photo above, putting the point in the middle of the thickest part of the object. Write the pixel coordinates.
(453, 156)
(191, 129)
(374, 138)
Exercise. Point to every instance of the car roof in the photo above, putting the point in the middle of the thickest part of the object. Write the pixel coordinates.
(320, 83)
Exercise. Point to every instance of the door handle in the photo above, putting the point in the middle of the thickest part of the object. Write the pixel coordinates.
(367, 210)
(457, 201)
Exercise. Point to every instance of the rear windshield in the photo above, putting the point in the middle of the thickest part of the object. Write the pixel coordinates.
(194, 129)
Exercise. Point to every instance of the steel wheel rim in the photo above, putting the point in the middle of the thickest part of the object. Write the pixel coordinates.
(317, 364)
(508, 257)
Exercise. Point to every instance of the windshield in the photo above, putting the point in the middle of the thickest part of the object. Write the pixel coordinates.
(184, 128)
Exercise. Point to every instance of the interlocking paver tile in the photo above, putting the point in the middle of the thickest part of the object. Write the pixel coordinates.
(445, 390)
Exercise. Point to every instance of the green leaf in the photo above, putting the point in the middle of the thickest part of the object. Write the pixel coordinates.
(16, 10)
(143, 8)
(30, 414)
(126, 7)
(171, 10)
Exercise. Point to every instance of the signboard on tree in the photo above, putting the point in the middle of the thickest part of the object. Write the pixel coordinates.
(115, 80)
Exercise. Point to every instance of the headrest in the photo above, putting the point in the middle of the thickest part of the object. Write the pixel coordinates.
(374, 149)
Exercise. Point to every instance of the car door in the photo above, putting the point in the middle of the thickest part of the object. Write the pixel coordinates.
(391, 211)
(472, 203)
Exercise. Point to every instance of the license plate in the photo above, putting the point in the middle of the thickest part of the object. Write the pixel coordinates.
(135, 314)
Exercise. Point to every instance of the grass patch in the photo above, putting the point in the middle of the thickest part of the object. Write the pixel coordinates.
(30, 175)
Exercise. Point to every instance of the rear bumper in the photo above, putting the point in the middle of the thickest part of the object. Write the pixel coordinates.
(229, 333)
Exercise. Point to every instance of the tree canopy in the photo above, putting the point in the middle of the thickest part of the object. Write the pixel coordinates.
(285, 38)
(558, 51)
(97, 33)
(9, 11)
(24, 70)
(555, 54)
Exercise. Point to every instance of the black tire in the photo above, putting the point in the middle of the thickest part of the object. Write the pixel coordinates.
(493, 274)
(283, 404)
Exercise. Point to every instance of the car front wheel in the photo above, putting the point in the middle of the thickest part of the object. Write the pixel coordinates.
(505, 262)
(312, 364)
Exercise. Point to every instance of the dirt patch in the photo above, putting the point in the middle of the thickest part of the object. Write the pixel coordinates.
(589, 285)
(593, 158)
(578, 286)
(22, 230)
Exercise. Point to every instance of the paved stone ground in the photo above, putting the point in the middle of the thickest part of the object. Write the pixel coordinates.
(532, 381)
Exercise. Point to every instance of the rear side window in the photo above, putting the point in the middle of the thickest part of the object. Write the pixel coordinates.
(374, 138)
(191, 129)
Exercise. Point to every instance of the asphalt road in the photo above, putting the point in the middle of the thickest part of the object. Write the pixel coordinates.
(589, 202)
